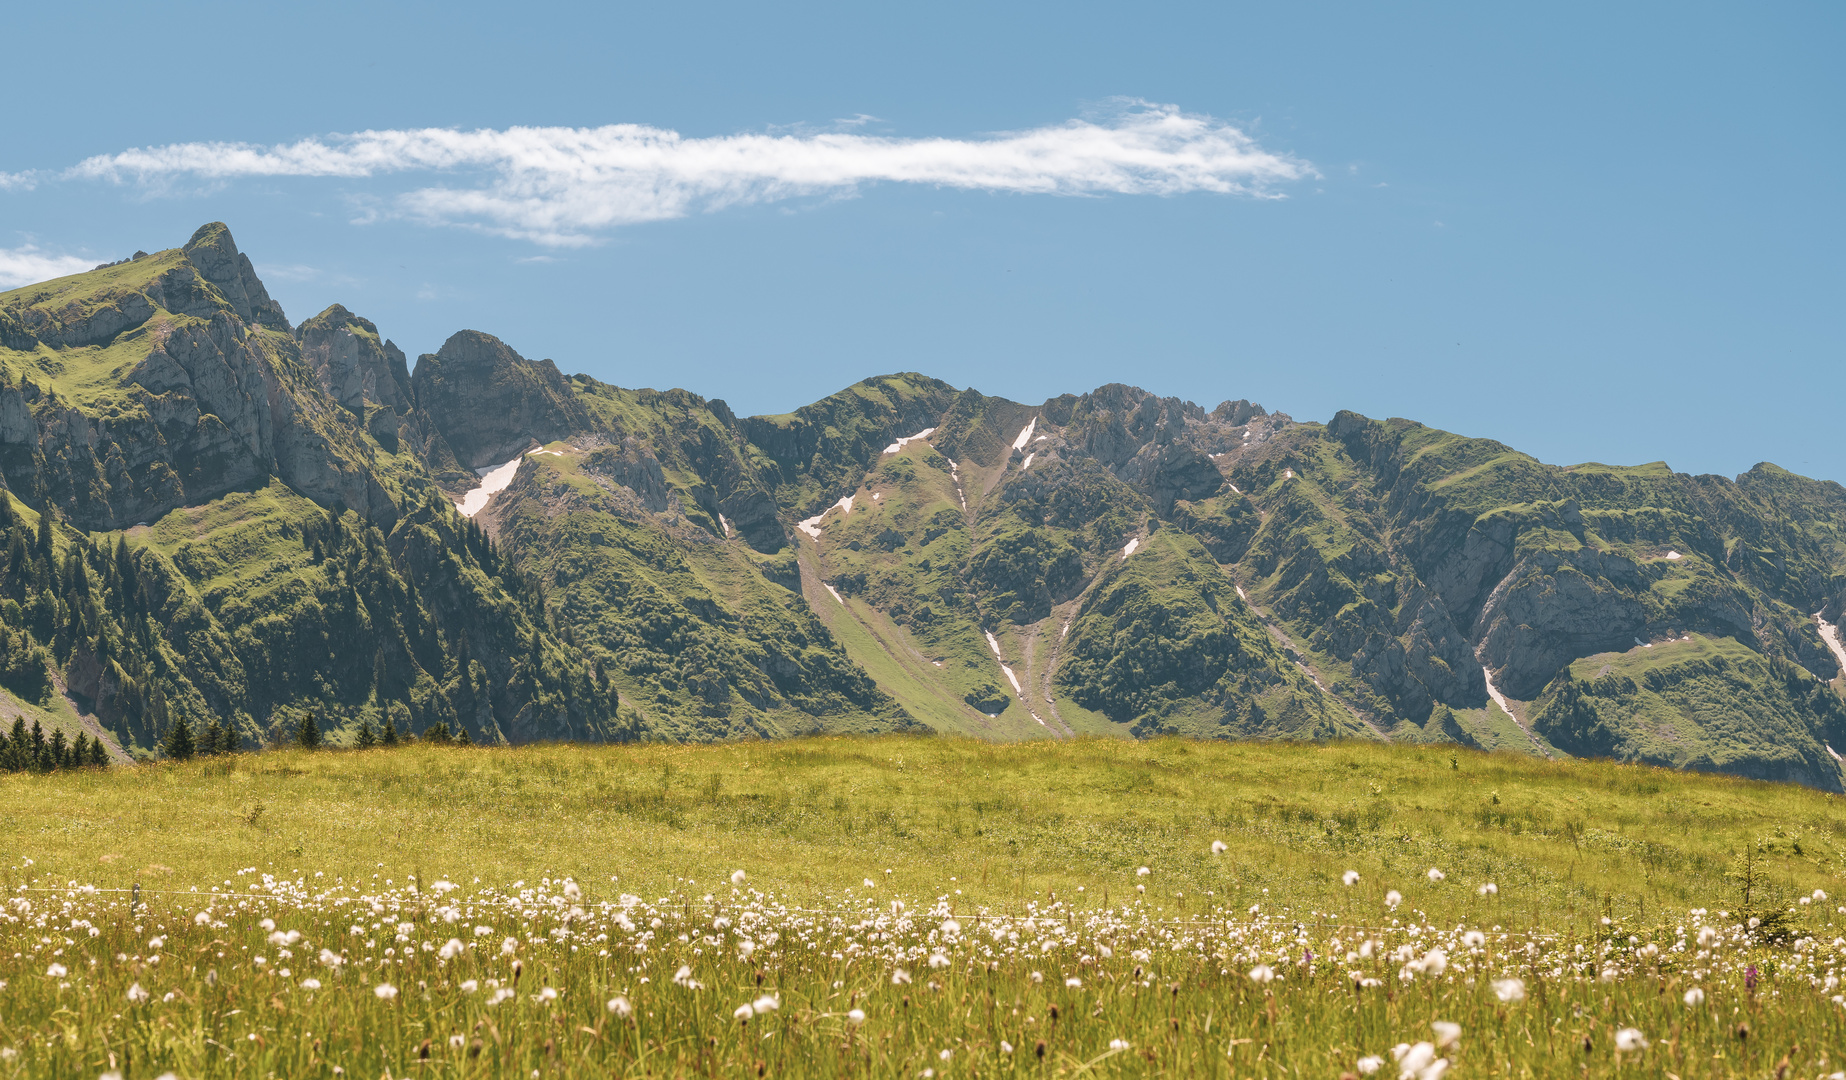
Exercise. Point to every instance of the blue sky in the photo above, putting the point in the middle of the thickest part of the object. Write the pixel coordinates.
(1595, 232)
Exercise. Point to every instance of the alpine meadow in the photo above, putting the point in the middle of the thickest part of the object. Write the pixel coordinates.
(363, 717)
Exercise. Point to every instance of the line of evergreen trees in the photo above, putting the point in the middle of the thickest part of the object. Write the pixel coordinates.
(25, 750)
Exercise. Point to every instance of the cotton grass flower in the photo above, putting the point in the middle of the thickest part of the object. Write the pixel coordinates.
(737, 877)
(765, 1004)
(1262, 974)
(1695, 997)
(57, 971)
(1510, 991)
(138, 993)
(1350, 877)
(1628, 1040)
(900, 977)
(1219, 847)
(1119, 1045)
(469, 986)
(1435, 875)
(385, 991)
(742, 1014)
(620, 1007)
(1368, 1065)
(509, 946)
(1489, 889)
(310, 984)
(1143, 872)
(1447, 1033)
(1393, 898)
(450, 949)
(1073, 983)
(1005, 1047)
(855, 1017)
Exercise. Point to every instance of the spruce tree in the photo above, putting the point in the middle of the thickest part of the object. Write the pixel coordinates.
(367, 737)
(60, 750)
(461, 736)
(390, 736)
(307, 733)
(19, 746)
(38, 741)
(209, 740)
(179, 739)
(99, 754)
(437, 733)
(80, 751)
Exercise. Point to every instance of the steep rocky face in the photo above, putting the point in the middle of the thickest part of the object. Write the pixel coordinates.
(488, 403)
(355, 365)
(156, 384)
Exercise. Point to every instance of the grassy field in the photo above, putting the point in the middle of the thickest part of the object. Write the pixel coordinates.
(913, 904)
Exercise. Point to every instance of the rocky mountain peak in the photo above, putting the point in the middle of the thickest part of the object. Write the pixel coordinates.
(215, 254)
(488, 402)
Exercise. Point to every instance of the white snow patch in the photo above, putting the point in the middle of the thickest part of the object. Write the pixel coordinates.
(553, 453)
(1020, 443)
(1835, 753)
(811, 526)
(1240, 594)
(1288, 474)
(938, 663)
(1012, 678)
(1130, 549)
(1040, 719)
(1066, 632)
(1674, 555)
(1041, 438)
(1494, 692)
(1028, 463)
(834, 591)
(901, 443)
(1643, 644)
(1830, 633)
(992, 643)
(877, 495)
(1234, 490)
(494, 480)
(725, 524)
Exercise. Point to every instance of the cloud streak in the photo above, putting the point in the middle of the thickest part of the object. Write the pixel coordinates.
(565, 186)
(26, 265)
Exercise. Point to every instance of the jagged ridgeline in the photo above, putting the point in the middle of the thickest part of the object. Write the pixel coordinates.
(217, 515)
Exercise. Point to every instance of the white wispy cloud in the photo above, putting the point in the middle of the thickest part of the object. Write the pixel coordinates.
(563, 186)
(27, 264)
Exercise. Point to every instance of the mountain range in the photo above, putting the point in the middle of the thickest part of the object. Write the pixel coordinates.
(215, 514)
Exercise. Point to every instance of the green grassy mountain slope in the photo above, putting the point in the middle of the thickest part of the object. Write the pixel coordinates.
(267, 520)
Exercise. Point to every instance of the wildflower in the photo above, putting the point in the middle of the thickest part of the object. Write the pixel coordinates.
(1393, 898)
(938, 960)
(1820, 896)
(1447, 1034)
(950, 928)
(1630, 1039)
(503, 994)
(385, 991)
(1369, 1064)
(1708, 936)
(509, 946)
(1489, 889)
(1510, 991)
(870, 884)
(1005, 1047)
(900, 977)
(737, 877)
(483, 931)
(57, 971)
(451, 949)
(1037, 976)
(765, 1004)
(456, 1042)
(621, 1007)
(138, 993)
(1436, 875)
(547, 994)
(946, 1055)
(1418, 1062)
(743, 1013)
(469, 986)
(856, 1017)
(1143, 872)
(1118, 1045)
(683, 977)
(1219, 847)
(155, 944)
(1262, 974)
(203, 918)
(1749, 978)
(267, 924)
(1695, 997)
(1350, 877)
(331, 959)
(1474, 939)
(1074, 983)
(310, 984)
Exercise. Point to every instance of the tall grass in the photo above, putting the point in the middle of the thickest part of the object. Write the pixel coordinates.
(947, 890)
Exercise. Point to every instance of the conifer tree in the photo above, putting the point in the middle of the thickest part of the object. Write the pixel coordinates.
(307, 733)
(209, 739)
(38, 741)
(80, 751)
(179, 739)
(437, 733)
(99, 754)
(367, 737)
(461, 736)
(390, 736)
(60, 750)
